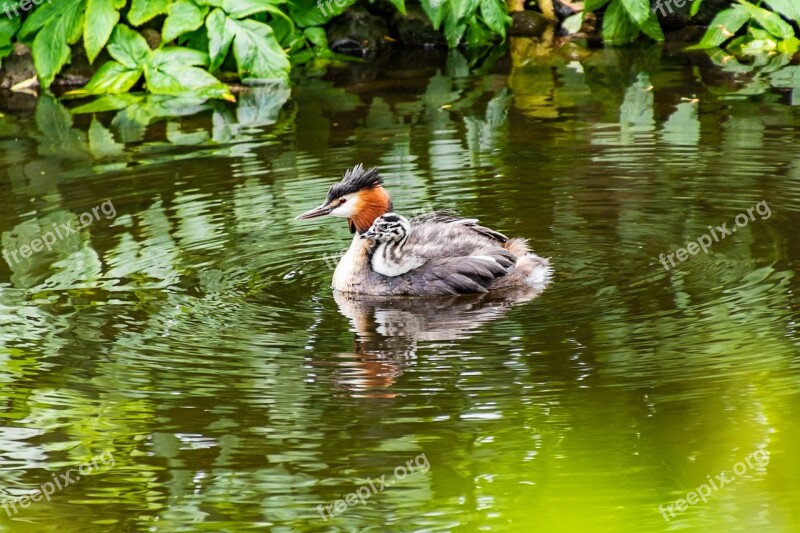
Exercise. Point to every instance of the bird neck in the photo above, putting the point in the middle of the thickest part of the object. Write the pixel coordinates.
(372, 203)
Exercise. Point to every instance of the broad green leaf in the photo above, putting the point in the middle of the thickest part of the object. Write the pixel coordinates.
(178, 55)
(434, 10)
(128, 47)
(258, 54)
(220, 35)
(400, 6)
(723, 27)
(211, 3)
(453, 32)
(652, 28)
(8, 27)
(759, 47)
(51, 46)
(317, 37)
(772, 22)
(477, 36)
(788, 8)
(617, 27)
(101, 17)
(494, 15)
(49, 13)
(38, 18)
(184, 16)
(638, 10)
(113, 77)
(178, 80)
(454, 23)
(244, 8)
(593, 5)
(463, 9)
(695, 7)
(789, 46)
(306, 13)
(143, 10)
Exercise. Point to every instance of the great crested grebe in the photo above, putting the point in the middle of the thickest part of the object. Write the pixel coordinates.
(439, 253)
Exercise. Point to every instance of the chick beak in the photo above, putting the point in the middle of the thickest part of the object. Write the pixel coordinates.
(367, 235)
(320, 211)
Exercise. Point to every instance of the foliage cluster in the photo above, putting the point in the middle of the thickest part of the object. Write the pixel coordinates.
(198, 43)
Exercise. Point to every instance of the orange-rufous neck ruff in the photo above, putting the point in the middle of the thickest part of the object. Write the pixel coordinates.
(372, 203)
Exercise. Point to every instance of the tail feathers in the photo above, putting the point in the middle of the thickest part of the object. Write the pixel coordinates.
(517, 246)
(537, 270)
(529, 271)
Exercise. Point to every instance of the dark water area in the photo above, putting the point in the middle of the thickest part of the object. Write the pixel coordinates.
(187, 341)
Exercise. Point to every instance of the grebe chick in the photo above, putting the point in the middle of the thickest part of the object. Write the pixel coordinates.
(390, 257)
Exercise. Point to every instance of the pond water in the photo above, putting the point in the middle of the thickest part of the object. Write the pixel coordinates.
(187, 340)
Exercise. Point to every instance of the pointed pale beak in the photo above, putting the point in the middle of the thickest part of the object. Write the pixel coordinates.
(320, 211)
(367, 235)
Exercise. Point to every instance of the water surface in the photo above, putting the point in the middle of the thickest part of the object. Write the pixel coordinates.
(193, 337)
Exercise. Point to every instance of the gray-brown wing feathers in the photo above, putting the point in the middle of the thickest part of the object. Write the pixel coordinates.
(459, 275)
(446, 216)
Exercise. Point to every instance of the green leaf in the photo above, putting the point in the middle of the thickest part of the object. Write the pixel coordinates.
(244, 8)
(113, 77)
(128, 47)
(477, 36)
(306, 13)
(464, 9)
(495, 17)
(788, 8)
(400, 5)
(638, 10)
(8, 27)
(179, 80)
(258, 54)
(434, 10)
(453, 32)
(317, 37)
(695, 7)
(178, 55)
(617, 27)
(220, 36)
(772, 22)
(101, 17)
(652, 28)
(38, 19)
(184, 16)
(593, 5)
(789, 46)
(143, 10)
(723, 27)
(51, 46)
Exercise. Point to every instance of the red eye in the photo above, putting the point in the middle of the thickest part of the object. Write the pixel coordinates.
(343, 201)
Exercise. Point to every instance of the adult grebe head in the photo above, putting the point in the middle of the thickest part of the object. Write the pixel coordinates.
(359, 197)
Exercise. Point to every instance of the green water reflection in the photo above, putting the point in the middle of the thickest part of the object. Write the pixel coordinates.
(194, 336)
